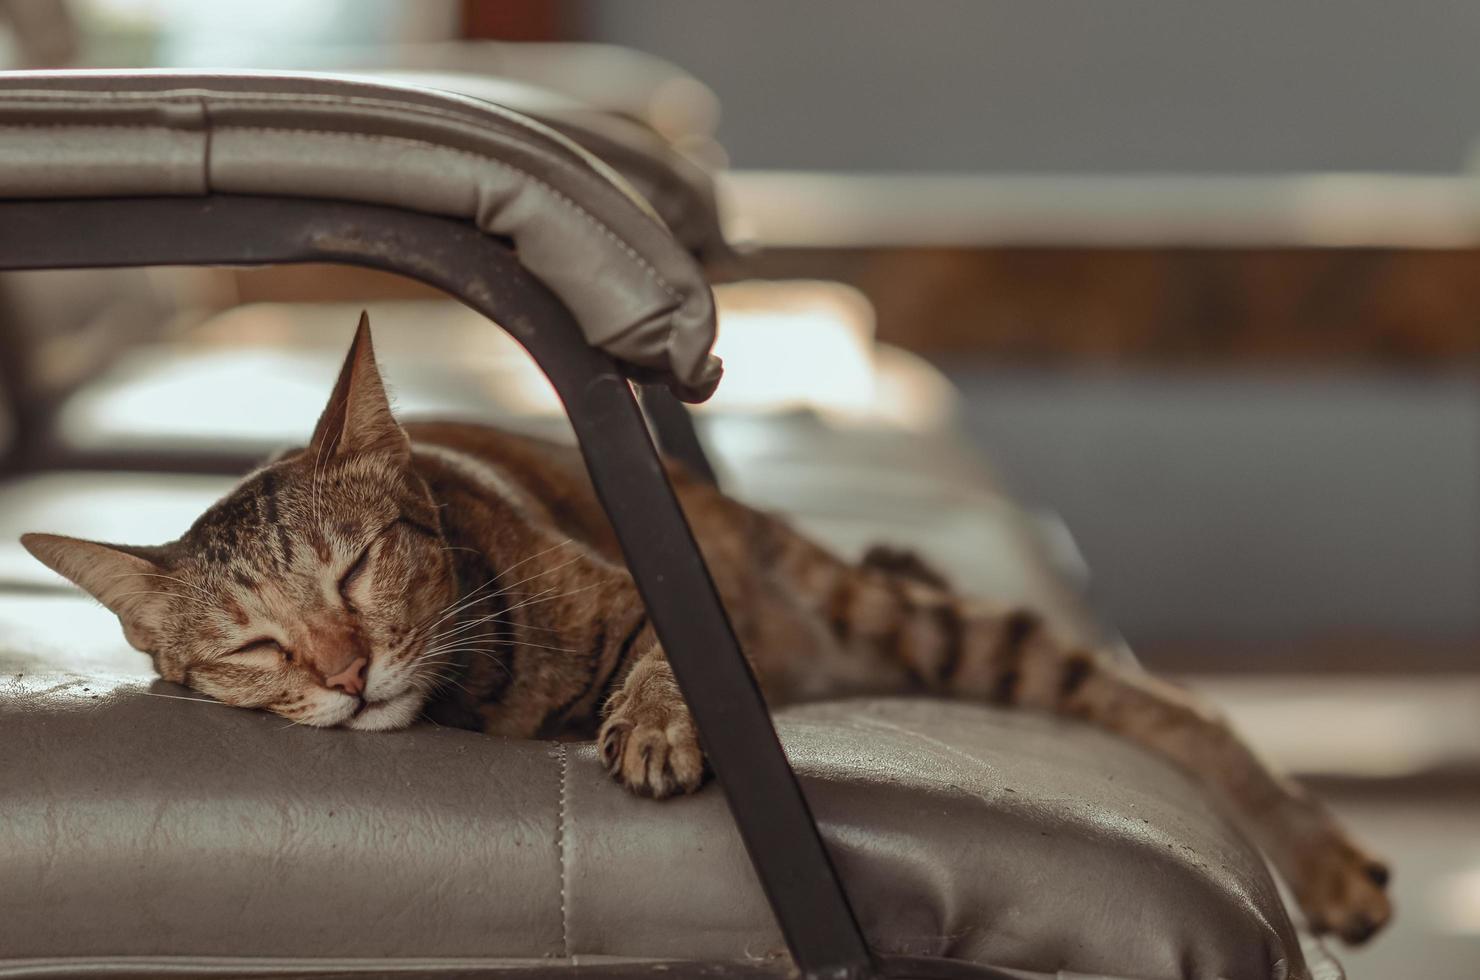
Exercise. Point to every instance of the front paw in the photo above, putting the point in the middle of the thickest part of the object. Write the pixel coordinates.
(1344, 891)
(653, 752)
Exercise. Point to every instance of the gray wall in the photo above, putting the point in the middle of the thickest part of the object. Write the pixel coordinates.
(1248, 510)
(1075, 85)
(1254, 510)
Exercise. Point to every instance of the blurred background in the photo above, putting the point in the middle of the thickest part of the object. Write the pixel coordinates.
(1197, 285)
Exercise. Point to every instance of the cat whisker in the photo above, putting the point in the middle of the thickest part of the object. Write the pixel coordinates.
(470, 647)
(529, 558)
(451, 611)
(457, 606)
(453, 632)
(426, 682)
(541, 574)
(435, 668)
(493, 658)
(541, 646)
(465, 606)
(207, 593)
(449, 655)
(506, 639)
(462, 600)
(317, 473)
(458, 627)
(496, 630)
(540, 598)
(476, 594)
(440, 656)
(465, 626)
(181, 697)
(172, 595)
(492, 618)
(501, 613)
(444, 681)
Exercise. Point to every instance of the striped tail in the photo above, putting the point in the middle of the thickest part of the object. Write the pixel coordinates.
(900, 615)
(899, 628)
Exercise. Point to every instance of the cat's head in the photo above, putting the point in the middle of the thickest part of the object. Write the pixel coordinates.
(309, 589)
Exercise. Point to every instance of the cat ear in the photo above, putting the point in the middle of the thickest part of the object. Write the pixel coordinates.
(358, 417)
(125, 581)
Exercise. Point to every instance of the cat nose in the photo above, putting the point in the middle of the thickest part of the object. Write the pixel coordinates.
(350, 680)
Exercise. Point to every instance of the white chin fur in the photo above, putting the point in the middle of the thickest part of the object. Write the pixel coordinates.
(397, 712)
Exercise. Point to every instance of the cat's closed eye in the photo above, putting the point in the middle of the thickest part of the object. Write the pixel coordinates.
(263, 647)
(348, 579)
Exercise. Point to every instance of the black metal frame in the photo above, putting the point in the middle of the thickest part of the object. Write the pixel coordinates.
(765, 799)
(673, 429)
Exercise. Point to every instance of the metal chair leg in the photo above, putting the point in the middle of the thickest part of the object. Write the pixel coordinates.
(673, 427)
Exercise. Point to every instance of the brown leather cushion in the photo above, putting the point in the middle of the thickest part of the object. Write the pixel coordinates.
(140, 825)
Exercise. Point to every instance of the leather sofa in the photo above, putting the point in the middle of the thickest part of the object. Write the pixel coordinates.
(146, 831)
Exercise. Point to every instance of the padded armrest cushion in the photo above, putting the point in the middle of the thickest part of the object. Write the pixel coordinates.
(139, 825)
(678, 188)
(577, 227)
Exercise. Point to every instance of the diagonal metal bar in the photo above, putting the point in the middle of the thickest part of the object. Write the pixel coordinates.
(673, 427)
(764, 796)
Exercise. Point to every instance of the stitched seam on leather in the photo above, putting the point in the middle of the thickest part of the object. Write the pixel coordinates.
(512, 121)
(561, 843)
(278, 99)
(595, 222)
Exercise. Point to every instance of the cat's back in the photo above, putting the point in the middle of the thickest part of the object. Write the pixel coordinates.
(546, 480)
(550, 478)
(519, 456)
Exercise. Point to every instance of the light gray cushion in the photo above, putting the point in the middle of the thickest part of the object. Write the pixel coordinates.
(139, 825)
(576, 225)
(678, 187)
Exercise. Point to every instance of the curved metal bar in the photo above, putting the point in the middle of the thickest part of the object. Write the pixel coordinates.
(673, 427)
(763, 794)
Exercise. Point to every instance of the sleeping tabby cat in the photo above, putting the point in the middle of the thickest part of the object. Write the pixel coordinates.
(464, 574)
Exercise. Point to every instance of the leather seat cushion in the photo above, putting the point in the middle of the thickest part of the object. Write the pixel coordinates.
(137, 824)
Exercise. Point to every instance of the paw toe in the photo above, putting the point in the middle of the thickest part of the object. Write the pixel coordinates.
(652, 761)
(612, 742)
(1345, 895)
